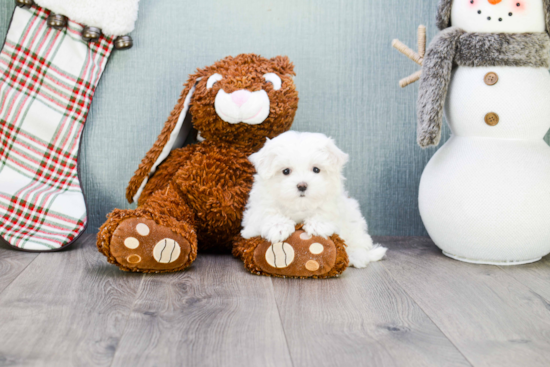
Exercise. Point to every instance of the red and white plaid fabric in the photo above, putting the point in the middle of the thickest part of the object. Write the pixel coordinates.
(47, 82)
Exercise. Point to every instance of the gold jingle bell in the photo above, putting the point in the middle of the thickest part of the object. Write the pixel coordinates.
(91, 34)
(57, 21)
(123, 42)
(24, 3)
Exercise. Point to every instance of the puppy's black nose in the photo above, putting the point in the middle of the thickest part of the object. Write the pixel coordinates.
(302, 186)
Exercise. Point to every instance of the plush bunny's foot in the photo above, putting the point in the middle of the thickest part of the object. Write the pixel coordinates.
(140, 244)
(299, 256)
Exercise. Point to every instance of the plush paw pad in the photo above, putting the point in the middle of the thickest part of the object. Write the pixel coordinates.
(141, 243)
(301, 255)
(280, 255)
(166, 251)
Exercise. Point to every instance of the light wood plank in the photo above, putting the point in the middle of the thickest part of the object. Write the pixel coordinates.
(12, 263)
(534, 276)
(492, 319)
(363, 318)
(68, 308)
(213, 314)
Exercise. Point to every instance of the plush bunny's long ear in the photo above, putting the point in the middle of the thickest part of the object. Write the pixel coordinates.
(175, 132)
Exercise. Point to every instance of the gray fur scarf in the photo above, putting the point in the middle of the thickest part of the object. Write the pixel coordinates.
(454, 46)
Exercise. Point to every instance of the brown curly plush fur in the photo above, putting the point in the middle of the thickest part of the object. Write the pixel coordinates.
(244, 250)
(200, 191)
(241, 72)
(163, 208)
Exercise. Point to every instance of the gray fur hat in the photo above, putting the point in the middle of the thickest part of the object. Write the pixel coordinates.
(444, 14)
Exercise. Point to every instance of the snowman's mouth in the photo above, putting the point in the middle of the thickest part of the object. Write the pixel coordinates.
(490, 18)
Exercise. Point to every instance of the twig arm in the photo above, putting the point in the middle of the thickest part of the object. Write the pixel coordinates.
(401, 47)
(410, 79)
(417, 57)
(422, 41)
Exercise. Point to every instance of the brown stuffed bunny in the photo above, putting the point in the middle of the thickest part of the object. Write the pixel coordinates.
(193, 197)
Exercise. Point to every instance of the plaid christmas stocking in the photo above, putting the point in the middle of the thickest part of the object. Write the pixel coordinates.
(48, 76)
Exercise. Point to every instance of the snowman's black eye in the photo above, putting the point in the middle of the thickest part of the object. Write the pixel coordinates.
(471, 1)
(316, 170)
(518, 4)
(286, 171)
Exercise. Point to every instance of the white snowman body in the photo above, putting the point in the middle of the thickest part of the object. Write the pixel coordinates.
(485, 195)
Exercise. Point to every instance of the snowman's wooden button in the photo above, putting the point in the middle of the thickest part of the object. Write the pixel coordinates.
(491, 78)
(491, 119)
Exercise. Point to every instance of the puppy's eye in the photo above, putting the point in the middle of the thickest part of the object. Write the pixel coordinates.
(273, 79)
(316, 170)
(286, 171)
(214, 78)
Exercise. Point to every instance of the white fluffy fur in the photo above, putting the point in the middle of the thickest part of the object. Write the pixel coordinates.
(276, 205)
(114, 17)
(253, 112)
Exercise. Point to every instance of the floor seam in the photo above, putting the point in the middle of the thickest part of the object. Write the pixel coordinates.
(18, 275)
(522, 283)
(427, 315)
(281, 322)
(128, 318)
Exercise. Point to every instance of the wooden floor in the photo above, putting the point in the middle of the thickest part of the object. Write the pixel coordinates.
(416, 308)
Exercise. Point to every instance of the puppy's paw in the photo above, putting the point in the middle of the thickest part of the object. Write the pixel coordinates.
(361, 257)
(319, 228)
(278, 232)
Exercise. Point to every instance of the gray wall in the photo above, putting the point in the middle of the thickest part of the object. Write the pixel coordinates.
(347, 76)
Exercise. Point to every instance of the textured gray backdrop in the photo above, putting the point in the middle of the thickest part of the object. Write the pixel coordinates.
(347, 76)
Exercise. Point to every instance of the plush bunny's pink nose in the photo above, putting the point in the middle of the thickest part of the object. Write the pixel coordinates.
(240, 97)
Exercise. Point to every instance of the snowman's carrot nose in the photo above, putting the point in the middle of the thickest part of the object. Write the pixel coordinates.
(494, 2)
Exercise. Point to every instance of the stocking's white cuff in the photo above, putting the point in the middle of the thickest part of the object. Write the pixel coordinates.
(114, 17)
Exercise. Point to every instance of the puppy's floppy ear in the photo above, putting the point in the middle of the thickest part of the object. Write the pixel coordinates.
(264, 160)
(336, 157)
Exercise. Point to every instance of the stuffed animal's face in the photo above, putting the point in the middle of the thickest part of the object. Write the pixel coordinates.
(244, 99)
(499, 16)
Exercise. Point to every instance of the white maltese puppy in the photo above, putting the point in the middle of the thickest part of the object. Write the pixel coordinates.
(299, 180)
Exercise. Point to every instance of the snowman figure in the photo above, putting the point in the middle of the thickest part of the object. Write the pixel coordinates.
(485, 195)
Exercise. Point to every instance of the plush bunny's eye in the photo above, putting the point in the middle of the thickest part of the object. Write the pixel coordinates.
(214, 78)
(273, 79)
